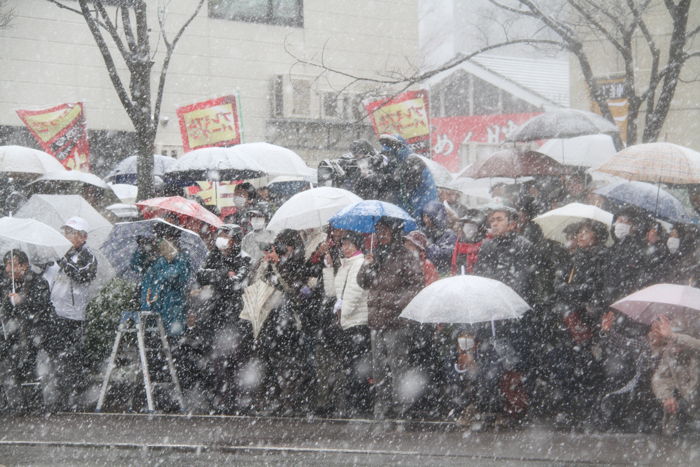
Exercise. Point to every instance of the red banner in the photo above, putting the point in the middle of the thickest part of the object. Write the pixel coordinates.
(406, 114)
(449, 133)
(62, 132)
(209, 123)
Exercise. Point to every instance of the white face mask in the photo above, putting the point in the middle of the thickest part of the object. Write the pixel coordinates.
(622, 230)
(222, 243)
(470, 231)
(465, 343)
(239, 201)
(569, 244)
(258, 223)
(673, 243)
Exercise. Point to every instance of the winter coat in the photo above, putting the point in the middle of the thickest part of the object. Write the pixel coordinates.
(678, 372)
(70, 279)
(508, 258)
(441, 239)
(164, 289)
(465, 254)
(228, 290)
(28, 326)
(353, 311)
(624, 267)
(582, 288)
(550, 259)
(656, 263)
(392, 279)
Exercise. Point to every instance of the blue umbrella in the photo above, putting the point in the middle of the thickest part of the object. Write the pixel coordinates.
(363, 215)
(651, 198)
(123, 242)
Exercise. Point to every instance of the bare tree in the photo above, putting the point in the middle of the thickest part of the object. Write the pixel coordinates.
(129, 34)
(6, 14)
(580, 27)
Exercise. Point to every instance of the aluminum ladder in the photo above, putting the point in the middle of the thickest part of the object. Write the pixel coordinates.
(135, 322)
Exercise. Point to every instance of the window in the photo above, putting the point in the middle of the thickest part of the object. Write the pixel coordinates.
(301, 97)
(279, 12)
(331, 105)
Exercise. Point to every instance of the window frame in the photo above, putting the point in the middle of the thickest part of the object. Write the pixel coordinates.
(269, 18)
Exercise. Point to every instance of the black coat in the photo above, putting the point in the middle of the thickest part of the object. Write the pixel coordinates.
(29, 326)
(509, 259)
(625, 266)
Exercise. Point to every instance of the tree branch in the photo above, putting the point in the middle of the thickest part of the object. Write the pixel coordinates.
(168, 55)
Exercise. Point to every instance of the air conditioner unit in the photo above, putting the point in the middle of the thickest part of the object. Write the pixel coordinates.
(172, 150)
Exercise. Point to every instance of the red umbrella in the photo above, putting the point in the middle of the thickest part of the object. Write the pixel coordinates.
(679, 302)
(512, 163)
(178, 205)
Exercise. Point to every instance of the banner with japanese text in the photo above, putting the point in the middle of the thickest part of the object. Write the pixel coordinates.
(210, 123)
(614, 89)
(407, 115)
(62, 132)
(450, 133)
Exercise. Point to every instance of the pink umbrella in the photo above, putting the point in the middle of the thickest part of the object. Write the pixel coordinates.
(673, 301)
(179, 206)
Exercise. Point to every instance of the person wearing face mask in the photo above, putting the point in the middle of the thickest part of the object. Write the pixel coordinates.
(225, 271)
(656, 255)
(255, 241)
(416, 242)
(441, 238)
(244, 199)
(682, 244)
(469, 239)
(625, 265)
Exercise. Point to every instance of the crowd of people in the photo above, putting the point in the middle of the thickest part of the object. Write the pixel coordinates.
(307, 322)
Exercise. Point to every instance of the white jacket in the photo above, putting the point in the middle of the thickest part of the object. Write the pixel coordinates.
(353, 311)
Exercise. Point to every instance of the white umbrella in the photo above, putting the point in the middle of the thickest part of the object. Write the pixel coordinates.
(311, 208)
(71, 176)
(215, 163)
(466, 300)
(41, 242)
(555, 221)
(655, 163)
(125, 192)
(441, 175)
(128, 168)
(124, 211)
(273, 159)
(581, 151)
(20, 159)
(55, 210)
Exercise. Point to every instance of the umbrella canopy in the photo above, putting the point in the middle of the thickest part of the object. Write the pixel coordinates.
(123, 242)
(178, 205)
(55, 210)
(562, 123)
(126, 170)
(42, 243)
(678, 302)
(655, 162)
(581, 151)
(555, 221)
(465, 300)
(126, 193)
(363, 216)
(213, 164)
(77, 176)
(124, 211)
(651, 198)
(513, 163)
(273, 159)
(311, 208)
(442, 176)
(22, 160)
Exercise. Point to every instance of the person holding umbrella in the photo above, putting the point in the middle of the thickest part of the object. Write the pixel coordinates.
(28, 322)
(625, 264)
(393, 276)
(69, 279)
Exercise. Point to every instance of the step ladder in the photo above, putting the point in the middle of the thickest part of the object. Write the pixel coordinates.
(138, 322)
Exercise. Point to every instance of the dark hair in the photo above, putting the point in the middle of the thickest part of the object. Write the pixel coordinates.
(21, 256)
(355, 238)
(510, 213)
(249, 189)
(599, 229)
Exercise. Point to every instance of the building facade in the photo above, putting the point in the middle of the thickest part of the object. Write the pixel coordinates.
(250, 49)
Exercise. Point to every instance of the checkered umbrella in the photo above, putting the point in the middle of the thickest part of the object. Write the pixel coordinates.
(656, 163)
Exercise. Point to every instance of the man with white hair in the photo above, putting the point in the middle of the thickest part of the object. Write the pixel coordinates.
(70, 280)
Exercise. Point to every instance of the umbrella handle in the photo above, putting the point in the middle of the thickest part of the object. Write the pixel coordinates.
(493, 329)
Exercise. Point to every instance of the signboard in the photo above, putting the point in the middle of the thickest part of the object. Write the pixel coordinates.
(406, 114)
(614, 90)
(210, 123)
(62, 132)
(449, 133)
